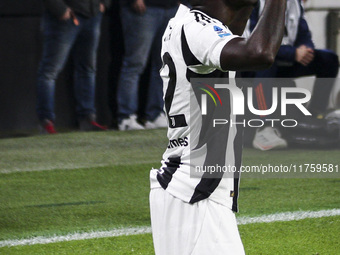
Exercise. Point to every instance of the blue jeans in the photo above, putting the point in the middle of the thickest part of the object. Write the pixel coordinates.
(141, 34)
(60, 37)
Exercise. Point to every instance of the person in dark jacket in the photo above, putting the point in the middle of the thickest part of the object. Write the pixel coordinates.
(297, 57)
(70, 27)
(143, 22)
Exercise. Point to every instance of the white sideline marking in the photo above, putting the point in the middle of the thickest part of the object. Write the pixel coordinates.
(277, 217)
(288, 216)
(68, 166)
(77, 236)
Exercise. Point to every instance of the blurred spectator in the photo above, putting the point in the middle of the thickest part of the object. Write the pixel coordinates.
(70, 28)
(297, 57)
(143, 22)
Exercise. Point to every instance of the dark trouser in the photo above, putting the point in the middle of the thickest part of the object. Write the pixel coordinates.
(324, 65)
(142, 37)
(60, 38)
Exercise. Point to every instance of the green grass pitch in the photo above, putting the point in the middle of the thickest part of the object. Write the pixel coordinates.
(89, 182)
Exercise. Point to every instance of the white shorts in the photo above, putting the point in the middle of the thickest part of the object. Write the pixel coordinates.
(204, 228)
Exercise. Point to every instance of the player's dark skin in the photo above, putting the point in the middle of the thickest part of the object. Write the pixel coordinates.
(259, 51)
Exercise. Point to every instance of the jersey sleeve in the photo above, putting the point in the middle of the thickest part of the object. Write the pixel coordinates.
(207, 41)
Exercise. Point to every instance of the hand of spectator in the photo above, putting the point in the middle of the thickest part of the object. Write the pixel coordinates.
(101, 7)
(139, 6)
(304, 55)
(67, 14)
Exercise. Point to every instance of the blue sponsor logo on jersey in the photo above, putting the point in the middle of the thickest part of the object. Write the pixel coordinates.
(221, 33)
(218, 29)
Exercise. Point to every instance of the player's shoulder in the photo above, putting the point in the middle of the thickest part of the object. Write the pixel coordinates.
(200, 24)
(201, 19)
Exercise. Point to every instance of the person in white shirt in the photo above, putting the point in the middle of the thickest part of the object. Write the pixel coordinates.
(297, 57)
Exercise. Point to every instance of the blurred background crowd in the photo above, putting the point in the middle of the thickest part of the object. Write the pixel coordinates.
(94, 65)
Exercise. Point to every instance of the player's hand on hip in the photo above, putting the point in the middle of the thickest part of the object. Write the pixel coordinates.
(304, 55)
(139, 6)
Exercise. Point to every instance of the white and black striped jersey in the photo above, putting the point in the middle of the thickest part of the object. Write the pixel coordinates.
(192, 45)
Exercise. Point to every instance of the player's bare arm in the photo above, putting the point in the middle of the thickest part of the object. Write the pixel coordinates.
(240, 19)
(259, 51)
